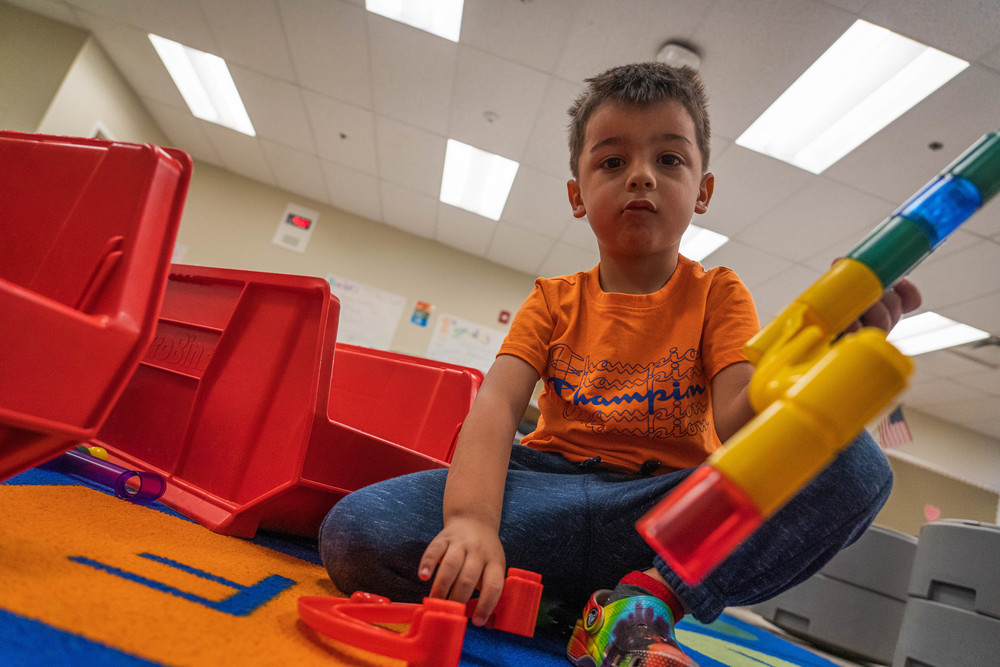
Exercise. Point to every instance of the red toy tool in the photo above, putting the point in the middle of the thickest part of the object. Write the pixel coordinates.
(437, 627)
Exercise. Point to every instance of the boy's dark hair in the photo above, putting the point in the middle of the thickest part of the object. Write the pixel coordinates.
(641, 84)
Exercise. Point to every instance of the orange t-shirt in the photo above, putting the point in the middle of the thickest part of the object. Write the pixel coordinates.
(628, 377)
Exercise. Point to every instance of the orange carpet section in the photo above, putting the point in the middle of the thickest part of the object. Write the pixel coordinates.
(157, 586)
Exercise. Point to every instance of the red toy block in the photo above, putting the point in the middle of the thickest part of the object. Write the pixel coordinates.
(88, 229)
(434, 638)
(517, 609)
(437, 627)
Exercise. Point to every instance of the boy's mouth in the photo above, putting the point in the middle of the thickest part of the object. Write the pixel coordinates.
(640, 205)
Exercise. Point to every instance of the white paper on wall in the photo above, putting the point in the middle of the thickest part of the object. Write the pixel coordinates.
(368, 316)
(466, 343)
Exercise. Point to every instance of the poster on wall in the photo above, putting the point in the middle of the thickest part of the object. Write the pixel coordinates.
(466, 343)
(368, 316)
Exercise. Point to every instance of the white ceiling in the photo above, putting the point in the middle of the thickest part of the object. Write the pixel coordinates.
(354, 110)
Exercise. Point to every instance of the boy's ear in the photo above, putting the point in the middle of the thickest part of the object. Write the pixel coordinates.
(575, 198)
(705, 193)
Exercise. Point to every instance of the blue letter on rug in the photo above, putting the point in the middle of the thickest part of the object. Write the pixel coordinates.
(243, 602)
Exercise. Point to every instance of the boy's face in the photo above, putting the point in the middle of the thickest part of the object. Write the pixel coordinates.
(640, 178)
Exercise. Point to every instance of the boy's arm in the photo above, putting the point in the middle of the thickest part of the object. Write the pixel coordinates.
(730, 398)
(467, 552)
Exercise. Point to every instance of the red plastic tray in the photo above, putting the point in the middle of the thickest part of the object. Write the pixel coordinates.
(233, 404)
(87, 230)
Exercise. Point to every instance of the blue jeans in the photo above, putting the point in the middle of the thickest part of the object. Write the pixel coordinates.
(576, 527)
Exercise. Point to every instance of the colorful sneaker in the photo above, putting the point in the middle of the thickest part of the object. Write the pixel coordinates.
(631, 632)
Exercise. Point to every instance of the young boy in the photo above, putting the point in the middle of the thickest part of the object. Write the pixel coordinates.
(644, 377)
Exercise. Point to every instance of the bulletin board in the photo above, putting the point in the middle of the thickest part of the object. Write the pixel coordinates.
(458, 341)
(368, 316)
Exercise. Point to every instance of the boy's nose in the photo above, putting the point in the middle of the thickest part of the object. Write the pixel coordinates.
(641, 179)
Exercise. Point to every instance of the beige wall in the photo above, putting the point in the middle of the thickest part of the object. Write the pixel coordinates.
(94, 95)
(36, 54)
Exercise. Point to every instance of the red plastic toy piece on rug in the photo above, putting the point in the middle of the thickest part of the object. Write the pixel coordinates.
(437, 627)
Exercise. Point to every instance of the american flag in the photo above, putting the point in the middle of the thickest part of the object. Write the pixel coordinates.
(893, 431)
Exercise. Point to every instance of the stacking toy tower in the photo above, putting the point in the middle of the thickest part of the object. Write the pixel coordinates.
(814, 390)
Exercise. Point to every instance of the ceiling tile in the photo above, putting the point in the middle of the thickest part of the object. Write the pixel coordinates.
(938, 396)
(539, 202)
(981, 312)
(772, 295)
(239, 26)
(818, 216)
(352, 190)
(463, 230)
(566, 259)
(409, 211)
(329, 47)
(992, 59)
(987, 381)
(240, 154)
(747, 186)
(548, 144)
(344, 133)
(754, 266)
(494, 103)
(960, 276)
(409, 157)
(519, 248)
(179, 20)
(529, 33)
(945, 364)
(183, 129)
(965, 29)
(986, 221)
(296, 171)
(276, 109)
(599, 38)
(412, 74)
(578, 233)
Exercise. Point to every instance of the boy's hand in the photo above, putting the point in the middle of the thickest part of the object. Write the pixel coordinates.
(468, 555)
(901, 298)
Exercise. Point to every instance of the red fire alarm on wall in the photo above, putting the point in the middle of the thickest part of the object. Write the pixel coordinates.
(504, 317)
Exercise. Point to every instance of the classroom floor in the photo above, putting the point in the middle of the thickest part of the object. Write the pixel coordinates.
(755, 619)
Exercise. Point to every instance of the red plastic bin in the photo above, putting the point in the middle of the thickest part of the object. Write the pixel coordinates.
(403, 399)
(233, 404)
(86, 233)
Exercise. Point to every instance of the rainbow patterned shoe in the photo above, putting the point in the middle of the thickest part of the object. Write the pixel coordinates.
(631, 632)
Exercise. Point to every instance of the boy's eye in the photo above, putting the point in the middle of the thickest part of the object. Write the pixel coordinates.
(612, 163)
(670, 159)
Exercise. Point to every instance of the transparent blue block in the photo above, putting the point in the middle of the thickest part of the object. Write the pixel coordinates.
(941, 206)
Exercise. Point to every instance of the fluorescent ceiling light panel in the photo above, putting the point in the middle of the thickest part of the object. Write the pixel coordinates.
(438, 17)
(867, 79)
(697, 243)
(927, 332)
(205, 84)
(475, 180)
